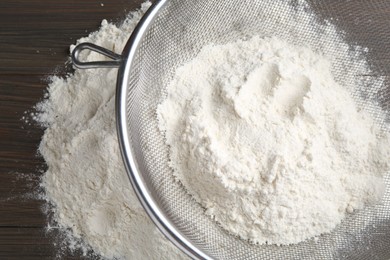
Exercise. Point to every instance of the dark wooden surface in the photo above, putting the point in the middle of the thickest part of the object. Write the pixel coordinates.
(34, 39)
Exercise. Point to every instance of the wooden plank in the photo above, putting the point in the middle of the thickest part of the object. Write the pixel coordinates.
(34, 38)
(33, 243)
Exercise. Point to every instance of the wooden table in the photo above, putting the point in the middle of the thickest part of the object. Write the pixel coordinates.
(34, 40)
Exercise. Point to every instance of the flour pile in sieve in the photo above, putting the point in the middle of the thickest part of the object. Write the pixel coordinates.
(86, 181)
(267, 141)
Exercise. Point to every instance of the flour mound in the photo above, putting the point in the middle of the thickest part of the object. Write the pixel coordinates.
(86, 181)
(268, 143)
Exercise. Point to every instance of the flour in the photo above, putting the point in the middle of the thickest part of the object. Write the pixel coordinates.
(86, 181)
(264, 138)
(268, 143)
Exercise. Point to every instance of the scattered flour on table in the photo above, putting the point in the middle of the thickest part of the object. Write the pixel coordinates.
(263, 137)
(268, 143)
(86, 181)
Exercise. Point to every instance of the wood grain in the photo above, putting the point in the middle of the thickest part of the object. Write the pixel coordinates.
(34, 40)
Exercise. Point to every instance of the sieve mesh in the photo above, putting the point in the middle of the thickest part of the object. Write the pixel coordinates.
(177, 34)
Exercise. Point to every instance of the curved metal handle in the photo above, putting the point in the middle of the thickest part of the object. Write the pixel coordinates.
(115, 63)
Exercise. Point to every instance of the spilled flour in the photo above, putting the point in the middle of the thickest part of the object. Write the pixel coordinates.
(86, 181)
(263, 137)
(267, 141)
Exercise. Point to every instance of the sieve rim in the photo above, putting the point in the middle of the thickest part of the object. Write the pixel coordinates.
(141, 190)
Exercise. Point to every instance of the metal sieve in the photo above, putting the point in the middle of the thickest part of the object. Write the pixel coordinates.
(172, 32)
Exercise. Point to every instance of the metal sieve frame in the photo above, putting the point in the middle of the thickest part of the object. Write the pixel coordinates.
(343, 246)
(125, 63)
(136, 179)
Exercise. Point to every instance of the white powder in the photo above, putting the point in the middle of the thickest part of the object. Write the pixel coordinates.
(268, 143)
(86, 181)
(273, 189)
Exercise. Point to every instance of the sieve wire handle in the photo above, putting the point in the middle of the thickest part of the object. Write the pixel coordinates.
(114, 63)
